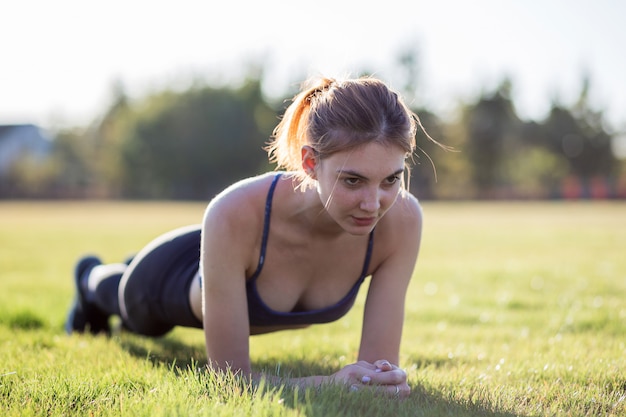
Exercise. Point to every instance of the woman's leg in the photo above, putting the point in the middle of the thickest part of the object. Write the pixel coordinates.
(151, 293)
(154, 290)
(96, 296)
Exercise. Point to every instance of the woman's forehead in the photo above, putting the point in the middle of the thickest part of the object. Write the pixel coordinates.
(372, 158)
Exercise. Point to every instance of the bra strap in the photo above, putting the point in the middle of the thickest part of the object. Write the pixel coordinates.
(266, 226)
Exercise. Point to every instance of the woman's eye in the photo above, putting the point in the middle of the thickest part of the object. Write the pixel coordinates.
(351, 181)
(393, 179)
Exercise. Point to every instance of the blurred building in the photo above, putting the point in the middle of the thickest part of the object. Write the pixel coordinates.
(19, 141)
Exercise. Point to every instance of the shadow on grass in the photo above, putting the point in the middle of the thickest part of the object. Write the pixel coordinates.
(164, 351)
(329, 401)
(423, 401)
(24, 319)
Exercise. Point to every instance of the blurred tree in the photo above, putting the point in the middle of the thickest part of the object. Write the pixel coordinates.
(491, 126)
(107, 137)
(536, 171)
(64, 172)
(28, 177)
(579, 136)
(71, 173)
(191, 145)
(428, 166)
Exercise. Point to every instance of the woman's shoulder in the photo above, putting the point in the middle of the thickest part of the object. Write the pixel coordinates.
(245, 190)
(407, 210)
(235, 217)
(398, 234)
(404, 218)
(242, 200)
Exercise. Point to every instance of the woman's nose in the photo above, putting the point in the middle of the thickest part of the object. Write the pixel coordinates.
(370, 201)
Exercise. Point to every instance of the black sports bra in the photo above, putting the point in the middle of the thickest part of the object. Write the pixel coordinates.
(261, 315)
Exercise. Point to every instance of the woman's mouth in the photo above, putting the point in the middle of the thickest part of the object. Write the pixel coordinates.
(364, 221)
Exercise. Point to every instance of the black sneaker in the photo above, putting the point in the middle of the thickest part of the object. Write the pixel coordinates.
(83, 314)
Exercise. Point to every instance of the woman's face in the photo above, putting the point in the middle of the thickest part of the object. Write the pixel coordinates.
(358, 186)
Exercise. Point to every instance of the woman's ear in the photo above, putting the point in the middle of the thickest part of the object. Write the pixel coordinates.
(309, 161)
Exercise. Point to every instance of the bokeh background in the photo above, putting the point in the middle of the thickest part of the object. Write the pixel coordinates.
(175, 100)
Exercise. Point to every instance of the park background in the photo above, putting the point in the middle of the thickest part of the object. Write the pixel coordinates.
(156, 101)
(121, 120)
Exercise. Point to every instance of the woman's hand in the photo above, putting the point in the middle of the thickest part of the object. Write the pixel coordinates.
(380, 376)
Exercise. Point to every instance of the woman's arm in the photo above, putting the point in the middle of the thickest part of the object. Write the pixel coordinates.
(384, 308)
(227, 242)
(354, 376)
(377, 367)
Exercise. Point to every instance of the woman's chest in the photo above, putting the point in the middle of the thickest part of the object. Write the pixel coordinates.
(310, 275)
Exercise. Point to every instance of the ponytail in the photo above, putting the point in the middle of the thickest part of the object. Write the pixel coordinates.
(290, 135)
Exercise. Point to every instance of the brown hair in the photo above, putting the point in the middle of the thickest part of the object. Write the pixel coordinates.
(333, 116)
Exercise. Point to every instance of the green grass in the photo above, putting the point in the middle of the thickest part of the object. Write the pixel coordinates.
(516, 309)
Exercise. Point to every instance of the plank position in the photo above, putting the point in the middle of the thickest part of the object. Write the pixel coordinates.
(287, 249)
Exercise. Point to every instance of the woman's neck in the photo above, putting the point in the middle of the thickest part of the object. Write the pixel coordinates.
(309, 213)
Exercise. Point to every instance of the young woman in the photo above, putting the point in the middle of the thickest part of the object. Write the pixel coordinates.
(287, 249)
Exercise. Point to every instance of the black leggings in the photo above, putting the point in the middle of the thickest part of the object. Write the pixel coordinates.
(154, 290)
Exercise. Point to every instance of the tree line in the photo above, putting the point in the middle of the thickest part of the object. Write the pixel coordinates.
(190, 144)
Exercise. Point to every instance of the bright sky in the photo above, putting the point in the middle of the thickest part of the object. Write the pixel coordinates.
(60, 58)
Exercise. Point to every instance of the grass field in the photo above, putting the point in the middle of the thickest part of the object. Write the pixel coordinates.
(515, 309)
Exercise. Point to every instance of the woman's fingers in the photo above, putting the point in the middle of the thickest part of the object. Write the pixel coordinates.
(354, 373)
(380, 377)
(399, 391)
(394, 377)
(380, 373)
(383, 365)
